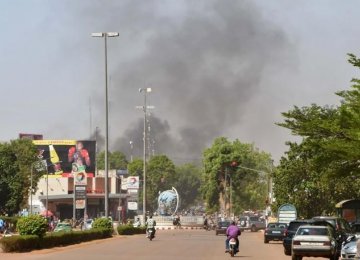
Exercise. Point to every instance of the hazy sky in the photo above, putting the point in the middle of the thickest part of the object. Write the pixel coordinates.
(216, 67)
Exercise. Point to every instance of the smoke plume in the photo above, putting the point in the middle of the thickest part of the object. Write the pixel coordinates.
(204, 61)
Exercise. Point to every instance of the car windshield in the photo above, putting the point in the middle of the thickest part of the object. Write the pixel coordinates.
(61, 225)
(224, 224)
(306, 231)
(277, 225)
(295, 225)
(356, 228)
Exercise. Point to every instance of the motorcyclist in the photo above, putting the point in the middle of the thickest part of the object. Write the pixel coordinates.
(206, 224)
(150, 224)
(232, 231)
(176, 221)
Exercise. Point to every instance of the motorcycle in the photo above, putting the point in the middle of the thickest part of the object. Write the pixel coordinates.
(207, 227)
(150, 232)
(232, 247)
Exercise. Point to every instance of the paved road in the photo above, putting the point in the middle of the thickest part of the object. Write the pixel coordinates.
(168, 244)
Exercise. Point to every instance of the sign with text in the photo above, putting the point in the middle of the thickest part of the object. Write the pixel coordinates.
(286, 213)
(130, 183)
(80, 192)
(132, 205)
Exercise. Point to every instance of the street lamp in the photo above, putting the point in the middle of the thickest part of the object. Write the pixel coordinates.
(31, 191)
(131, 151)
(105, 35)
(144, 90)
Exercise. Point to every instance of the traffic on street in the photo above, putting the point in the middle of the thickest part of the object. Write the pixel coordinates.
(168, 244)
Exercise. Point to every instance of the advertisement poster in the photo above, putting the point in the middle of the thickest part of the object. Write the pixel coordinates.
(132, 205)
(80, 204)
(63, 156)
(129, 183)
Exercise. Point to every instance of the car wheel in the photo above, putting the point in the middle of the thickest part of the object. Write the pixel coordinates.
(334, 257)
(216, 233)
(253, 229)
(266, 241)
(296, 257)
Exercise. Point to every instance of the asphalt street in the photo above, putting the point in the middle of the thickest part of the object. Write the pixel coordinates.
(168, 244)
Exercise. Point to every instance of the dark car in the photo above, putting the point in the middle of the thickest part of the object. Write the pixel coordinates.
(355, 227)
(221, 227)
(341, 226)
(274, 231)
(290, 232)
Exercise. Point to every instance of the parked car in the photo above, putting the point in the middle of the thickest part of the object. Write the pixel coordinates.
(253, 223)
(355, 228)
(349, 248)
(221, 227)
(290, 232)
(63, 227)
(314, 241)
(274, 231)
(341, 226)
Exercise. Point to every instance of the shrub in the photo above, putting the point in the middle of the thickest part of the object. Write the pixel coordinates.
(19, 243)
(130, 230)
(28, 243)
(102, 223)
(32, 225)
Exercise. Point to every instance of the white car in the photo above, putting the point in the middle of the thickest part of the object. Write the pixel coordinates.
(349, 248)
(317, 241)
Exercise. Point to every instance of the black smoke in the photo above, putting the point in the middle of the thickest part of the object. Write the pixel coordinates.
(204, 63)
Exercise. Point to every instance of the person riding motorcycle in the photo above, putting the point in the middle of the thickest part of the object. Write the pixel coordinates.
(232, 231)
(150, 224)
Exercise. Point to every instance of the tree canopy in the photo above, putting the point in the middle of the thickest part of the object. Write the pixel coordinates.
(236, 168)
(323, 168)
(16, 160)
(117, 160)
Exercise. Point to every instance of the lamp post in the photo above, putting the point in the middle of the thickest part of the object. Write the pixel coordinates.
(145, 91)
(47, 192)
(131, 151)
(105, 35)
(31, 190)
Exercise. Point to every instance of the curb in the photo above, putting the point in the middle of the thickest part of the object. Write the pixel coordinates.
(173, 228)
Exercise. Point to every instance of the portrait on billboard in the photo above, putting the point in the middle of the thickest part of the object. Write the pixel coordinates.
(64, 157)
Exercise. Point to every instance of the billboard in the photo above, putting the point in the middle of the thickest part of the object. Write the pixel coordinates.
(30, 136)
(129, 183)
(65, 157)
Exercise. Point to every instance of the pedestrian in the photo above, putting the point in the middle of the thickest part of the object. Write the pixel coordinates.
(1, 226)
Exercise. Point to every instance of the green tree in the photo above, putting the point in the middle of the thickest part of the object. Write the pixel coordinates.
(160, 176)
(16, 160)
(187, 181)
(324, 168)
(32, 225)
(237, 168)
(117, 160)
